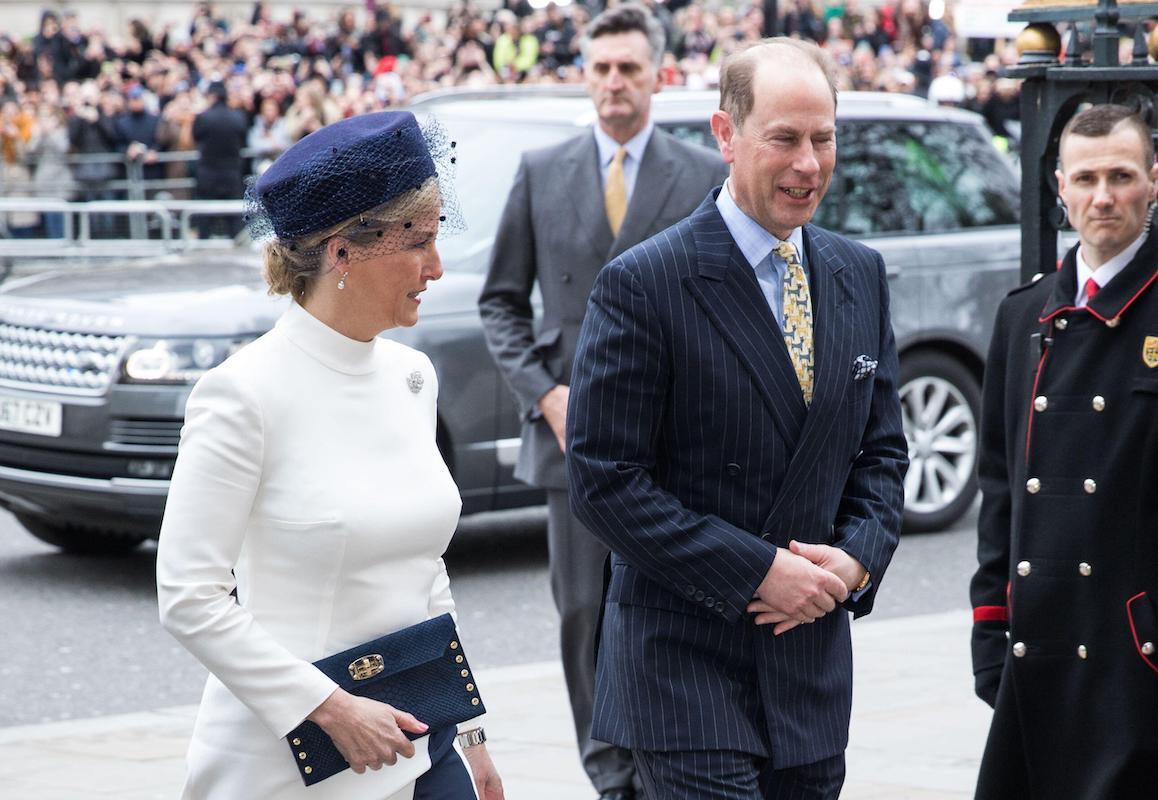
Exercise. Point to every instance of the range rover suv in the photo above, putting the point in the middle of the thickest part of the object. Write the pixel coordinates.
(96, 363)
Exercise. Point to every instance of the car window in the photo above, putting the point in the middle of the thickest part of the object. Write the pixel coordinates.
(910, 177)
(693, 132)
(487, 157)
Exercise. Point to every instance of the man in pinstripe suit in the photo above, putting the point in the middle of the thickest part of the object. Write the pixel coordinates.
(734, 435)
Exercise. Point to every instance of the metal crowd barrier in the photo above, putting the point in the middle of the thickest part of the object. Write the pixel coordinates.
(174, 220)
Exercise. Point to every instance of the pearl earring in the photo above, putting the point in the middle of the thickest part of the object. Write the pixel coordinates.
(342, 280)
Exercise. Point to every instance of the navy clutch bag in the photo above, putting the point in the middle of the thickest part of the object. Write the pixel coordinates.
(420, 669)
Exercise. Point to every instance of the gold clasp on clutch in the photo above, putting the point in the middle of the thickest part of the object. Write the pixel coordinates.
(366, 667)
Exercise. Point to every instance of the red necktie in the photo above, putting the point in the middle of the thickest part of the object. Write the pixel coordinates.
(1091, 289)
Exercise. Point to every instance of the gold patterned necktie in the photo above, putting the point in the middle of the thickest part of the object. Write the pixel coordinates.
(615, 193)
(797, 318)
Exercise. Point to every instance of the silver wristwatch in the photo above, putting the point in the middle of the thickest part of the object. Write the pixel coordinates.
(475, 736)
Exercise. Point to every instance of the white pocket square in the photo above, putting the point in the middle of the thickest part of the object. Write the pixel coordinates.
(863, 367)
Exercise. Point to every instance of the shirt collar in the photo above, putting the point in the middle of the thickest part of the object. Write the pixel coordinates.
(754, 241)
(1106, 273)
(635, 145)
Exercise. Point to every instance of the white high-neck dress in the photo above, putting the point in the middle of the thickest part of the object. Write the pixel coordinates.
(308, 469)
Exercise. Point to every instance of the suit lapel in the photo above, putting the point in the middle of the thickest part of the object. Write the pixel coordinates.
(654, 183)
(727, 290)
(582, 182)
(833, 341)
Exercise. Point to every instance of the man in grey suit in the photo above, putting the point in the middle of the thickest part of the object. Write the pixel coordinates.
(573, 208)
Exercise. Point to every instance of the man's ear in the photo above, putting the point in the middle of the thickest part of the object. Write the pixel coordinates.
(724, 132)
(1061, 180)
(1153, 182)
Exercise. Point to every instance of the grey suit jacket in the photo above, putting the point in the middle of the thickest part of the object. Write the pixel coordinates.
(554, 231)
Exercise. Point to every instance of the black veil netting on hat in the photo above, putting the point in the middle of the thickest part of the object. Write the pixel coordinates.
(346, 186)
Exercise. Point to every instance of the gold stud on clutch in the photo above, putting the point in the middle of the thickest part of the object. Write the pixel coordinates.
(308, 770)
(297, 742)
(454, 645)
(465, 673)
(470, 687)
(302, 756)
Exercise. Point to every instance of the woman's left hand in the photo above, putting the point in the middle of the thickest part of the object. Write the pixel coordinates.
(486, 778)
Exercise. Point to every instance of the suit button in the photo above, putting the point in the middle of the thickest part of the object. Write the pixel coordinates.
(565, 277)
(1082, 652)
(1090, 485)
(1024, 568)
(1019, 649)
(766, 537)
(710, 601)
(1041, 403)
(699, 596)
(1085, 569)
(1148, 648)
(720, 608)
(690, 591)
(733, 469)
(1033, 486)
(1099, 403)
(1061, 323)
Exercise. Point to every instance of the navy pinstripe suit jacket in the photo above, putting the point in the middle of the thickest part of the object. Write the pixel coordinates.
(693, 456)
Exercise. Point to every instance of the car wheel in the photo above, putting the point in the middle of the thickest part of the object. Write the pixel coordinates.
(81, 541)
(940, 407)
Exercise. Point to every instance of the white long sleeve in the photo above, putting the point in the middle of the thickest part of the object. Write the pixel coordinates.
(206, 517)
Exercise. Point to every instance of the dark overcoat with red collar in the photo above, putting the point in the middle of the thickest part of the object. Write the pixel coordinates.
(1066, 595)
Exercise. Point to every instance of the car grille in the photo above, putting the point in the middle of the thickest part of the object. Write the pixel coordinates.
(78, 363)
(145, 432)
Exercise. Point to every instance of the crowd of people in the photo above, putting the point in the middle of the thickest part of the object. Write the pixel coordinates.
(75, 88)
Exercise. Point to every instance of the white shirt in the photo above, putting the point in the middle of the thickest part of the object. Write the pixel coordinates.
(757, 244)
(1105, 273)
(607, 147)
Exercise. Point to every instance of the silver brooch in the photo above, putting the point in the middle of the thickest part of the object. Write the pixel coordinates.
(415, 381)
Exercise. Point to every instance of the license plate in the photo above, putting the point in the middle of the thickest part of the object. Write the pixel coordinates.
(41, 417)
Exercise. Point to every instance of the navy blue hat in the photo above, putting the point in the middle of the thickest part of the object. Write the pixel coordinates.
(342, 170)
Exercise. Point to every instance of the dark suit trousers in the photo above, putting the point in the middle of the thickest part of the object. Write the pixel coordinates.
(577, 560)
(731, 775)
(447, 778)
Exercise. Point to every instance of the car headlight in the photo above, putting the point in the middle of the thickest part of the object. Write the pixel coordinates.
(177, 360)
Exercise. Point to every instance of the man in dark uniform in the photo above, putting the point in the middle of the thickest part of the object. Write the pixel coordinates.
(1066, 595)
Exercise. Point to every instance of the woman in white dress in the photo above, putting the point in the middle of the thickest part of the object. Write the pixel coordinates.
(308, 479)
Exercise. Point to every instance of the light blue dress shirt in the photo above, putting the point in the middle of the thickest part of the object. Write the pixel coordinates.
(635, 147)
(758, 247)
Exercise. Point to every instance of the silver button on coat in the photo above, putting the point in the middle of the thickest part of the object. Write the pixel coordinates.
(1019, 649)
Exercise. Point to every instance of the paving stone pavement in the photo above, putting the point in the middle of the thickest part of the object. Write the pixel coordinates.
(917, 730)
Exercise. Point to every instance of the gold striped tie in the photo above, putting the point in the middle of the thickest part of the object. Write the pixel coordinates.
(615, 193)
(797, 318)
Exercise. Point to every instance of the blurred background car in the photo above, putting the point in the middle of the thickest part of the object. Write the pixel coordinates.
(96, 364)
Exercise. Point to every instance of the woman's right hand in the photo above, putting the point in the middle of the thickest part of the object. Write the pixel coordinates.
(367, 733)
